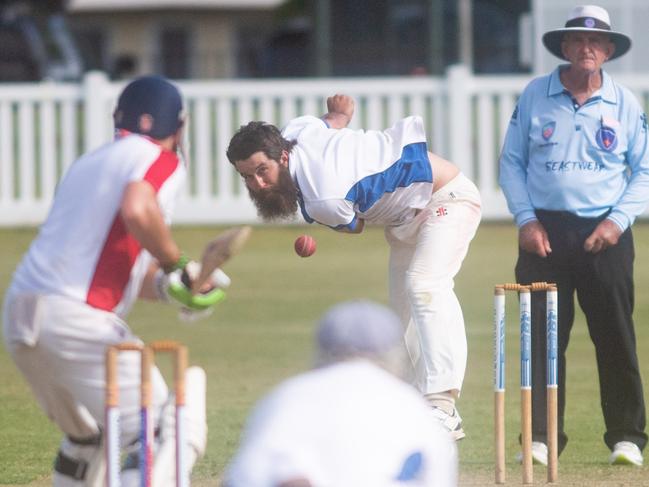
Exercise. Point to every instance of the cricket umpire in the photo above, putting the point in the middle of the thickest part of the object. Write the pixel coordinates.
(574, 169)
(106, 242)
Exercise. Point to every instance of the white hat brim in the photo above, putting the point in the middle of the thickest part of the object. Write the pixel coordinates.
(552, 40)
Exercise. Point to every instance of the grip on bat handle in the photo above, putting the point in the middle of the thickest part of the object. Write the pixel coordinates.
(221, 279)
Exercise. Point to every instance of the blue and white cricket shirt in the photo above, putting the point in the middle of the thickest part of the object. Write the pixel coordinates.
(344, 174)
(585, 160)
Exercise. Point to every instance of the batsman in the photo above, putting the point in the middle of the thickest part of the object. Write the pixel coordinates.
(106, 242)
(345, 178)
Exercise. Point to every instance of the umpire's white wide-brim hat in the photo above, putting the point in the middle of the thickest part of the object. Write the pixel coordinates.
(587, 18)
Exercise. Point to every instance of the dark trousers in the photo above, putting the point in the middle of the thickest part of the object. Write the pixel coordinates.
(603, 283)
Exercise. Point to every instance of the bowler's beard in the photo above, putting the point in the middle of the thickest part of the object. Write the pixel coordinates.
(278, 202)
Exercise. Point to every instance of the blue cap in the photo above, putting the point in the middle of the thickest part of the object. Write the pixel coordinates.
(153, 96)
(358, 327)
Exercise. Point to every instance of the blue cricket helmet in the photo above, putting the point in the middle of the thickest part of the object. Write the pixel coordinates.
(154, 96)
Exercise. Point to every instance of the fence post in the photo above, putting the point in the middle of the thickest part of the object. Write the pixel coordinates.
(458, 78)
(95, 87)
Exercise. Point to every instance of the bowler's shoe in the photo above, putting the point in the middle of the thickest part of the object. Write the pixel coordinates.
(451, 422)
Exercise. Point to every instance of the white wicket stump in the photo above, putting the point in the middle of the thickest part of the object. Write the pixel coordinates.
(111, 433)
(525, 300)
(179, 353)
(112, 420)
(499, 382)
(525, 316)
(146, 417)
(552, 382)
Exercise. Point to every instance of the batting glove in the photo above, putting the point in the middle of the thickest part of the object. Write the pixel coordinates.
(175, 287)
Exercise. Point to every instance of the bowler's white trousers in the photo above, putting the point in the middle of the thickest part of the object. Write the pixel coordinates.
(425, 256)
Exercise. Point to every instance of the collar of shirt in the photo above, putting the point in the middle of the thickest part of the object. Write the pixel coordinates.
(606, 92)
(121, 133)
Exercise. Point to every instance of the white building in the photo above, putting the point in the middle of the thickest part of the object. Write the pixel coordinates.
(181, 39)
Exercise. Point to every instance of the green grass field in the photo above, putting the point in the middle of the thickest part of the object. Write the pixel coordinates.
(262, 334)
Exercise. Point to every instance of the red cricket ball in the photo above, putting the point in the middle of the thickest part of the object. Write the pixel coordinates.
(305, 245)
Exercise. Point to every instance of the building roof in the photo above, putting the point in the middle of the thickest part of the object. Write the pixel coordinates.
(100, 5)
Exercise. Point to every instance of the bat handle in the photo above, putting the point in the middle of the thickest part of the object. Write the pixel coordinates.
(221, 279)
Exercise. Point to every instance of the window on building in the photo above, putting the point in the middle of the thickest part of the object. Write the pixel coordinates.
(175, 53)
(406, 37)
(92, 44)
(16, 61)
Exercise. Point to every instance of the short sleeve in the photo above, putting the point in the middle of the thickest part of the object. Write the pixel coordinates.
(297, 125)
(334, 213)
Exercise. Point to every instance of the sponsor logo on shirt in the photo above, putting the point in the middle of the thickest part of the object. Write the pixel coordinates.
(569, 166)
(643, 118)
(515, 114)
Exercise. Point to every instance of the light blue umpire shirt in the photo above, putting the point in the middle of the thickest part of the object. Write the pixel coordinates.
(585, 159)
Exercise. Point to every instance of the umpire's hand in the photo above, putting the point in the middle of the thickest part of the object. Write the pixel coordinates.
(605, 235)
(533, 238)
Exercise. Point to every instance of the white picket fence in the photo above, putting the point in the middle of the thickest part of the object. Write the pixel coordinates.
(45, 126)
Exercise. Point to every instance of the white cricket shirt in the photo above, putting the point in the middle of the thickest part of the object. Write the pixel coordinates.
(83, 250)
(349, 424)
(344, 174)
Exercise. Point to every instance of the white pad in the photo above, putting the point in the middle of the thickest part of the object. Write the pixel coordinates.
(92, 454)
(130, 478)
(196, 409)
(195, 431)
(195, 434)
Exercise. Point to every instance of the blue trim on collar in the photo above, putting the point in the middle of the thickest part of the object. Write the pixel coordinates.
(607, 91)
(555, 87)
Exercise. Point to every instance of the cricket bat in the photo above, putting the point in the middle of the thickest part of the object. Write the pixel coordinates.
(219, 251)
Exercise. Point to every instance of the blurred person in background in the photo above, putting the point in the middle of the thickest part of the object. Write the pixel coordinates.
(349, 421)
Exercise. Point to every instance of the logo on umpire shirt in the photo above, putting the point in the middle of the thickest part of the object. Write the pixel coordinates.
(515, 114)
(547, 131)
(606, 138)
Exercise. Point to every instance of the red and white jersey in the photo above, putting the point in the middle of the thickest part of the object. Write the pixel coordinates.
(344, 174)
(83, 250)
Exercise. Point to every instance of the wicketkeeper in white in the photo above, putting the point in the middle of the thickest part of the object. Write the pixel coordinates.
(344, 178)
(105, 242)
